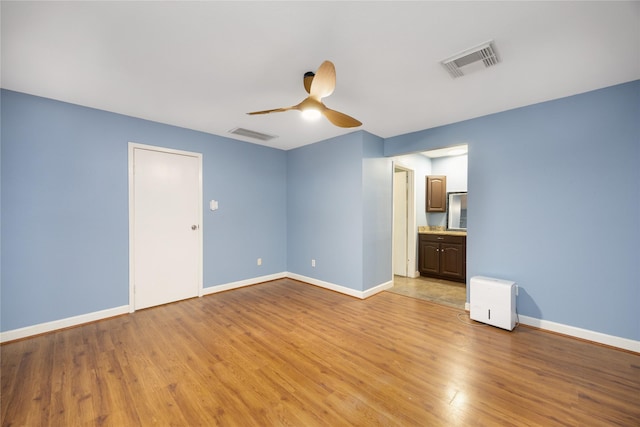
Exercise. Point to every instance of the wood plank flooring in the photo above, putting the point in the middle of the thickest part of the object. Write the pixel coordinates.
(285, 353)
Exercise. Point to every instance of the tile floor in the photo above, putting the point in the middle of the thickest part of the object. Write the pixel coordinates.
(453, 294)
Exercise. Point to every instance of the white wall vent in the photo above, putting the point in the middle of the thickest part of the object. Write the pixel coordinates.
(478, 57)
(252, 134)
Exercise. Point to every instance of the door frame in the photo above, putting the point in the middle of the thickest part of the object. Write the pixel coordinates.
(412, 248)
(132, 147)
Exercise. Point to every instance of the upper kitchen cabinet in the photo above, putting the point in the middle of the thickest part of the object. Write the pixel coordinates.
(436, 193)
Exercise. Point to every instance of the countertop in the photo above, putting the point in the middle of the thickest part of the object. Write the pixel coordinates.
(434, 230)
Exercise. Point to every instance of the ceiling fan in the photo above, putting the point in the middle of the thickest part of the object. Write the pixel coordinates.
(319, 85)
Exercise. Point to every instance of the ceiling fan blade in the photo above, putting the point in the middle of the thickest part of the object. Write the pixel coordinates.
(275, 110)
(324, 81)
(340, 119)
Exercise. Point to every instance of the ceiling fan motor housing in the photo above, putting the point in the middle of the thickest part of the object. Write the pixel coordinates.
(307, 79)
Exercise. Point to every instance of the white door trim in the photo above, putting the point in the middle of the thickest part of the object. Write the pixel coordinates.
(133, 146)
(412, 230)
(400, 223)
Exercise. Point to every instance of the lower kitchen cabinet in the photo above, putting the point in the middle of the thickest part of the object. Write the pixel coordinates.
(443, 256)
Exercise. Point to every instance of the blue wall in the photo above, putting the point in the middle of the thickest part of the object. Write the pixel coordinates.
(65, 207)
(324, 210)
(554, 204)
(339, 208)
(377, 213)
(546, 185)
(455, 169)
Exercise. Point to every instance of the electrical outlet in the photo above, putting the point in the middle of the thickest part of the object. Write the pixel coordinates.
(259, 261)
(313, 263)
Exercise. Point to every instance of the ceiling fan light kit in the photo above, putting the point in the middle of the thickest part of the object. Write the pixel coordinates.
(318, 85)
(311, 114)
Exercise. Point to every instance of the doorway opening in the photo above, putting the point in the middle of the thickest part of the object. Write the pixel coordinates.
(453, 163)
(404, 222)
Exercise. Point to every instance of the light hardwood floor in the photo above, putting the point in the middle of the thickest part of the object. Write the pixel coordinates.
(286, 353)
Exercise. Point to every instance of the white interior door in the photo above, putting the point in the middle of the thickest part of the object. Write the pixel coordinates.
(400, 260)
(166, 218)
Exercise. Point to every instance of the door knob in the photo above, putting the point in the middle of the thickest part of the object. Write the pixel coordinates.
(194, 227)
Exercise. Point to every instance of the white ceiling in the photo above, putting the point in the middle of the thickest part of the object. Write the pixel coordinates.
(203, 65)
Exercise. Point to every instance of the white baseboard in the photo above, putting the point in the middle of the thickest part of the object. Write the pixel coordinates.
(377, 289)
(242, 283)
(342, 289)
(586, 334)
(326, 285)
(41, 328)
(572, 331)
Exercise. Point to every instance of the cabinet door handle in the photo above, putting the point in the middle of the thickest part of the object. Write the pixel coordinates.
(440, 238)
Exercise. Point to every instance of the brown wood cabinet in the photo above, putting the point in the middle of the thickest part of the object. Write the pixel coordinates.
(443, 256)
(436, 196)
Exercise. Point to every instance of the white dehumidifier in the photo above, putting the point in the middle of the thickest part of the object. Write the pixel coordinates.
(493, 301)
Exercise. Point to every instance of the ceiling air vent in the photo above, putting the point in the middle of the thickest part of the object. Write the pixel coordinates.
(481, 56)
(252, 134)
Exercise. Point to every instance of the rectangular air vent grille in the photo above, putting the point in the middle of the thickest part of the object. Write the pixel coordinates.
(483, 54)
(252, 134)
